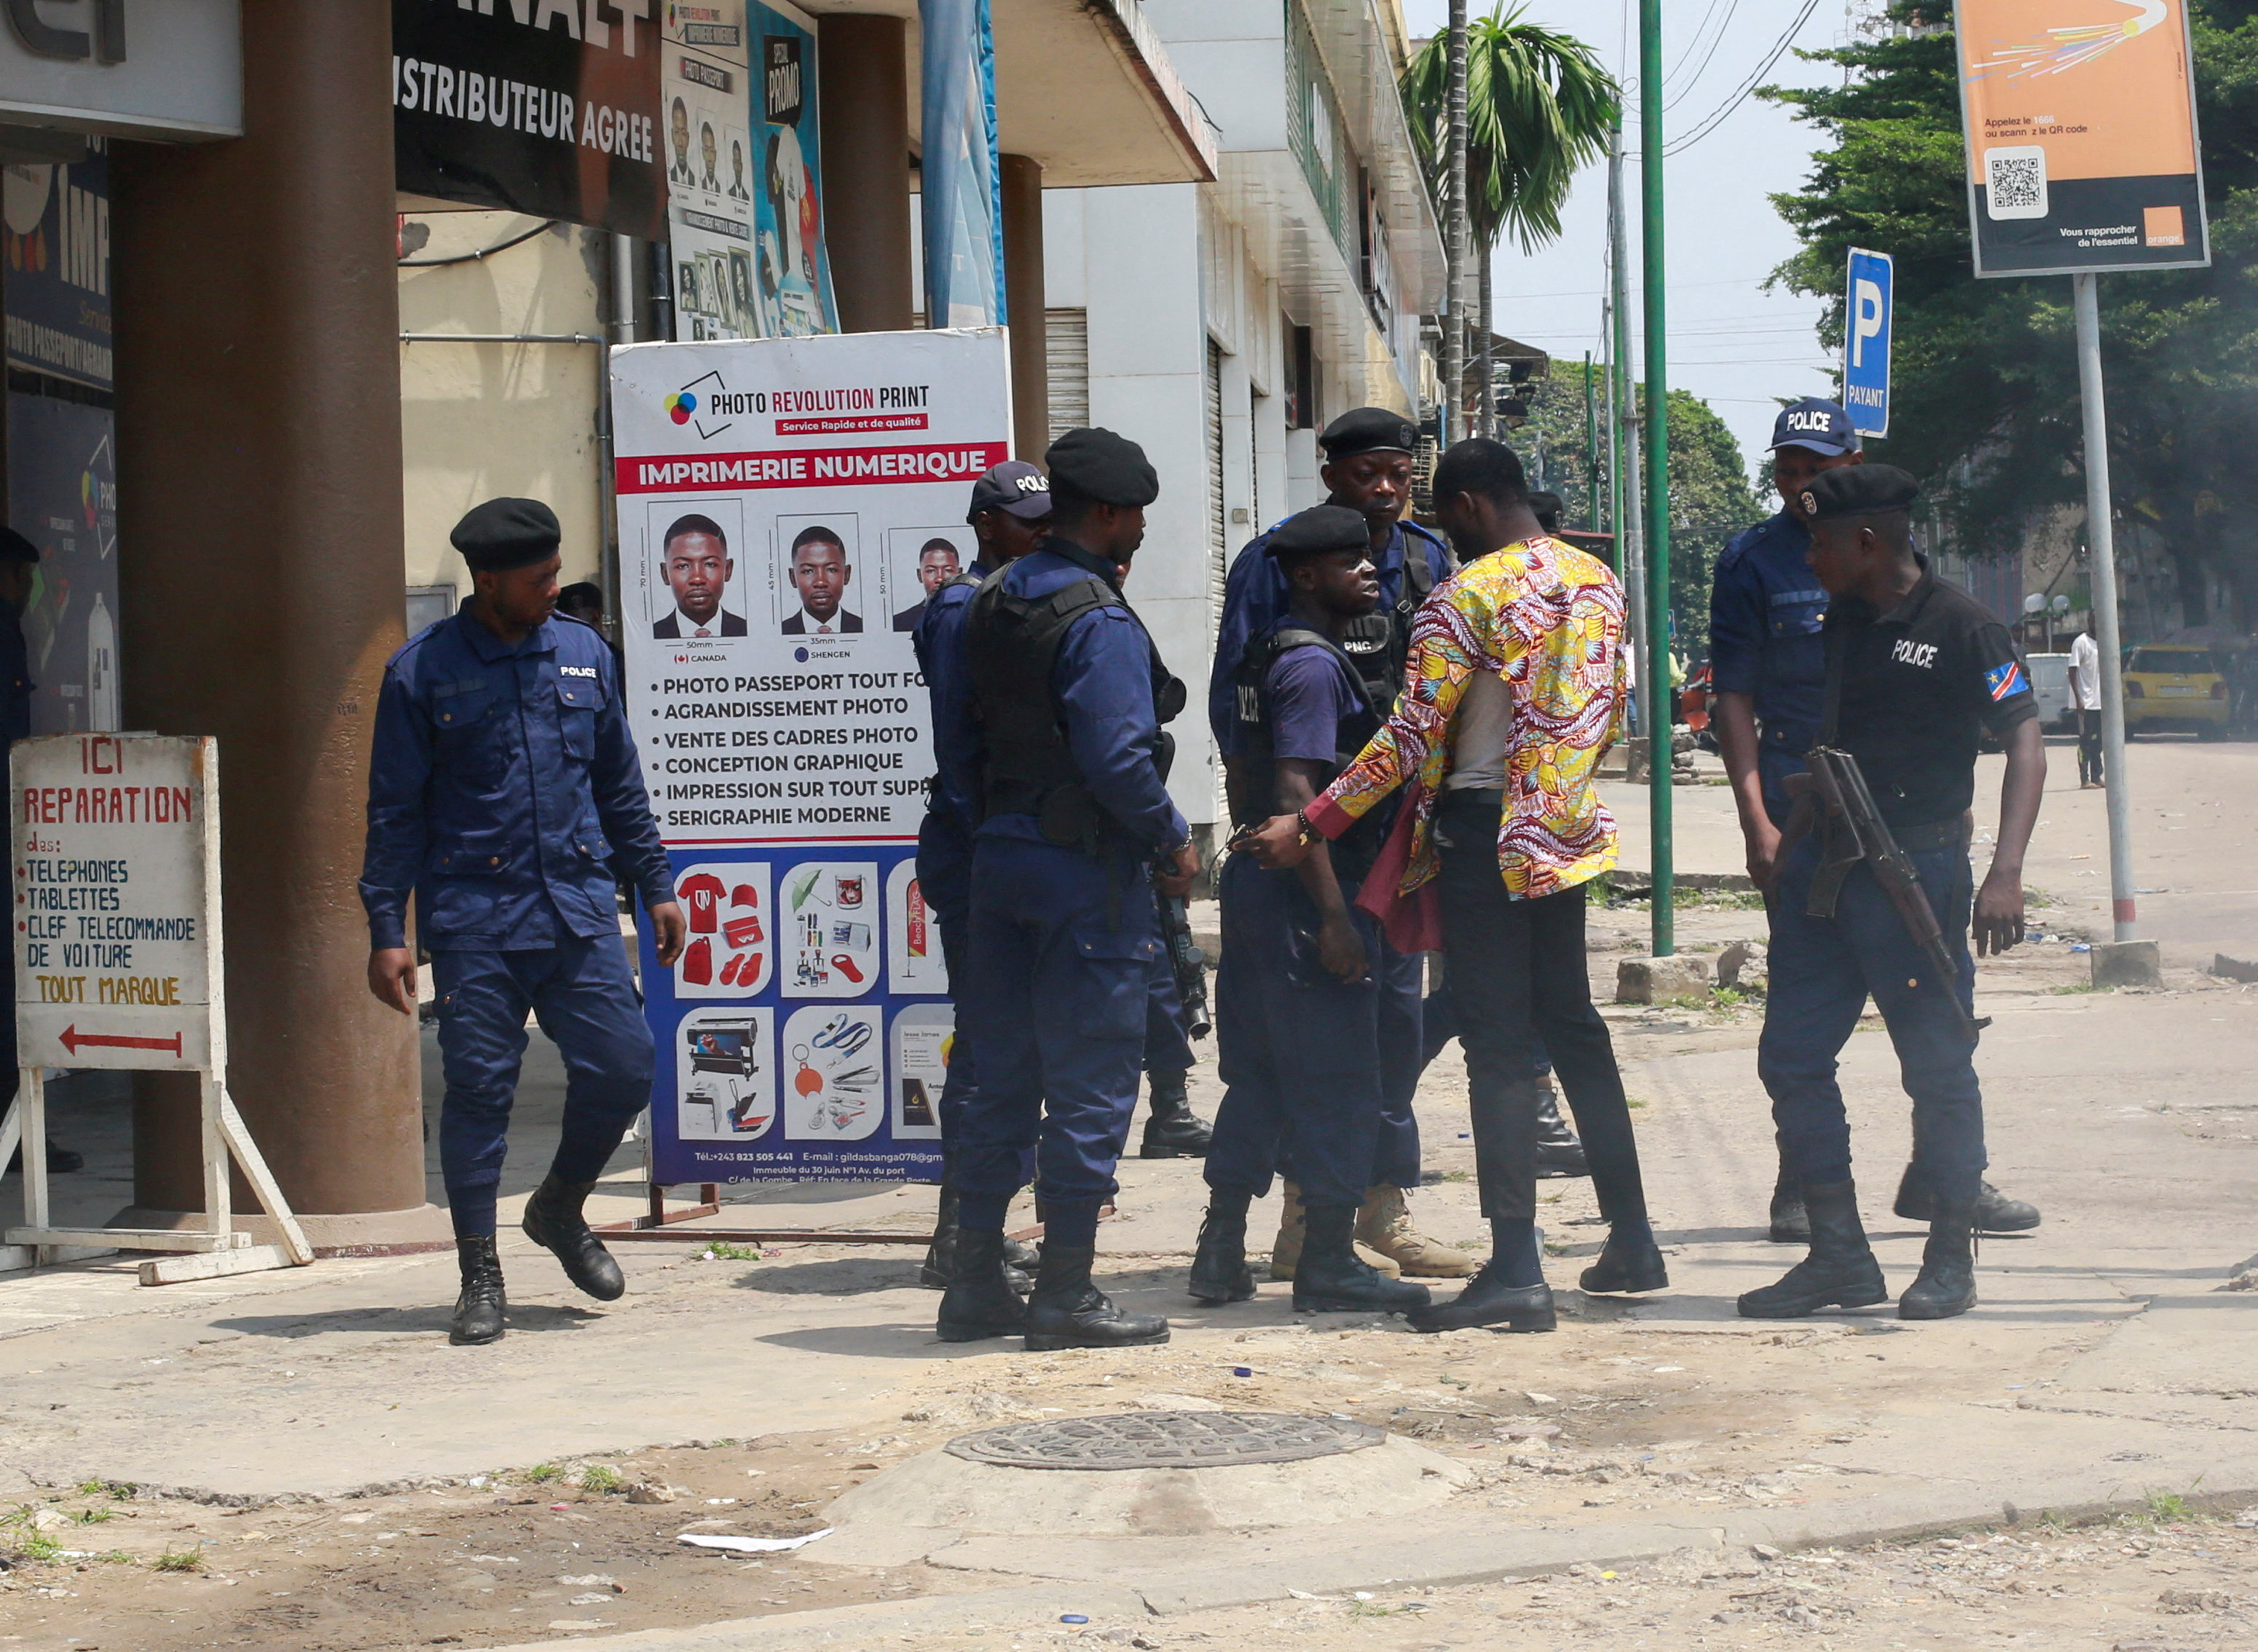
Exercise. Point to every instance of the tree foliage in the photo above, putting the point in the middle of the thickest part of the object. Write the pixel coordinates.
(1985, 397)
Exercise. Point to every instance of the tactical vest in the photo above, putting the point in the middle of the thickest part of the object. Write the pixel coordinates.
(1379, 643)
(1012, 644)
(1253, 779)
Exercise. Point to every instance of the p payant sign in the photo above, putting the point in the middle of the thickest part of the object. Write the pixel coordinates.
(785, 508)
(1866, 338)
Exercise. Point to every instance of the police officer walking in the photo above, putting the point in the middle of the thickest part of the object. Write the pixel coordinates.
(1068, 697)
(1011, 511)
(1768, 671)
(1916, 670)
(1299, 996)
(1367, 470)
(503, 790)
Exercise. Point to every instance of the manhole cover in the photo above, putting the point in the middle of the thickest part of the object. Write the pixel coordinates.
(1165, 1440)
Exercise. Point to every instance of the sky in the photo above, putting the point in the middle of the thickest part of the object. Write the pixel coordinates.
(1730, 341)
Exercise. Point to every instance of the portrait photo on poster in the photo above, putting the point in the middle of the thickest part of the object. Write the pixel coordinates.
(922, 560)
(731, 950)
(696, 575)
(923, 1033)
(816, 560)
(726, 1074)
(830, 922)
(833, 1063)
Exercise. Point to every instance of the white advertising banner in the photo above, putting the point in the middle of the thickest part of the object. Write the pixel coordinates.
(116, 877)
(786, 506)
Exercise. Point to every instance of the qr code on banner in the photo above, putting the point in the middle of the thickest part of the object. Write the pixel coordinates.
(2016, 182)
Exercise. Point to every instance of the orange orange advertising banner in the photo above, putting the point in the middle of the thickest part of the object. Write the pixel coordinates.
(2082, 150)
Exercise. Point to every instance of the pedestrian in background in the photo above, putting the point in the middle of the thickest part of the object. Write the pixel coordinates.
(2085, 699)
(503, 783)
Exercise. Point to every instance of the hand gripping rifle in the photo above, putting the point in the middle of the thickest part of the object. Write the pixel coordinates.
(1187, 960)
(1852, 829)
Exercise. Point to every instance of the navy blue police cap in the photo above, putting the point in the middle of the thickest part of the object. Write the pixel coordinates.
(1817, 423)
(1014, 486)
(1858, 490)
(1368, 430)
(507, 532)
(1320, 528)
(1103, 466)
(14, 548)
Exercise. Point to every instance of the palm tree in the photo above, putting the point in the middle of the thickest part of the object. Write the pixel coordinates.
(1538, 106)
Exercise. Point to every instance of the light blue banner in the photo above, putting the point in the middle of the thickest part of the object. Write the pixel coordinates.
(964, 201)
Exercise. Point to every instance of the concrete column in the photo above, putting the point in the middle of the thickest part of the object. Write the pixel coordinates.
(863, 78)
(1024, 297)
(259, 522)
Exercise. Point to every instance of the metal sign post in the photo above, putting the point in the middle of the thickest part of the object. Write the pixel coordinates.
(1867, 301)
(119, 966)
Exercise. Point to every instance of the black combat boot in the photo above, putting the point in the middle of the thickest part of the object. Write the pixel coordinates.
(1841, 1271)
(1330, 1278)
(1626, 1267)
(553, 1219)
(1489, 1300)
(1068, 1311)
(1219, 1270)
(980, 1301)
(1947, 1284)
(1172, 1131)
(1558, 1152)
(1789, 1223)
(1995, 1212)
(941, 1256)
(479, 1310)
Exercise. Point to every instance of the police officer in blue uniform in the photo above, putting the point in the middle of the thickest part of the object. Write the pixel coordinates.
(1368, 470)
(1009, 513)
(503, 792)
(1300, 1027)
(1917, 670)
(1067, 699)
(1768, 670)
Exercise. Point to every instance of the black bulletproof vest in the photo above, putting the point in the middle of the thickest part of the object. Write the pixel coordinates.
(1011, 645)
(1253, 780)
(1379, 643)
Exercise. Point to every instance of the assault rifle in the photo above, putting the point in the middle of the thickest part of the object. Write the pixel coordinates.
(1187, 960)
(1854, 831)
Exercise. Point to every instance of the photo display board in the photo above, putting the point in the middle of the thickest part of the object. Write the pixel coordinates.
(786, 506)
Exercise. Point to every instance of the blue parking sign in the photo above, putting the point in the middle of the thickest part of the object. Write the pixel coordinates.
(1866, 342)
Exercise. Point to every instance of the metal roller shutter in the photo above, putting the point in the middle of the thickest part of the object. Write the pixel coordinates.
(1217, 551)
(1067, 360)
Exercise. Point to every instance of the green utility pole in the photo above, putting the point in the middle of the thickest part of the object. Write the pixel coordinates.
(1591, 450)
(1657, 476)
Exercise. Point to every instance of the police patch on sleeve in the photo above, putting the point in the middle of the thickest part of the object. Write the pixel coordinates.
(2006, 681)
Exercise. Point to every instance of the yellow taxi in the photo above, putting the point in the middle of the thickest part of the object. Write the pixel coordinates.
(2169, 686)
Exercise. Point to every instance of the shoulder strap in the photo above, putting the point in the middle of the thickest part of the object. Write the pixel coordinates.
(1831, 711)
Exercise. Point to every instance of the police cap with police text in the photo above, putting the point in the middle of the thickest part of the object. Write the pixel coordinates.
(1103, 466)
(1320, 528)
(507, 532)
(1858, 490)
(1014, 486)
(1817, 423)
(14, 548)
(1368, 430)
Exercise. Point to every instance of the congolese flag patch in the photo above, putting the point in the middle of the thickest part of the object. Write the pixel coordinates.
(2004, 680)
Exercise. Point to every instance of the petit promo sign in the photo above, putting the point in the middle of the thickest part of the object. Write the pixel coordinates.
(116, 876)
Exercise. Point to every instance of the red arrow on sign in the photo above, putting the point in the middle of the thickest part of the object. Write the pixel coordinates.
(73, 1039)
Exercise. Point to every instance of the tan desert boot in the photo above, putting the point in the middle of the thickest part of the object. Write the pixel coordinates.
(1385, 1225)
(1286, 1248)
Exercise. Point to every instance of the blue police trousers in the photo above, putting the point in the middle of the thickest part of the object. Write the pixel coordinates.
(584, 996)
(1167, 1031)
(1059, 980)
(944, 870)
(1309, 1061)
(1822, 969)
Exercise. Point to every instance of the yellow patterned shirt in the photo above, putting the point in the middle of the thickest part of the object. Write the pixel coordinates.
(1548, 620)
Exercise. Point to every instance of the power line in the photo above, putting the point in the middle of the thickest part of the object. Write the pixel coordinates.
(1693, 44)
(1686, 90)
(1716, 117)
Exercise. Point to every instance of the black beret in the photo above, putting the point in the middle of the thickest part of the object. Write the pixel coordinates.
(1369, 430)
(14, 548)
(1858, 490)
(1321, 527)
(507, 532)
(1098, 464)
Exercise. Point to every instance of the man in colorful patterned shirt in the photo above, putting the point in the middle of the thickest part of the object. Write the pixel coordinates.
(1514, 690)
